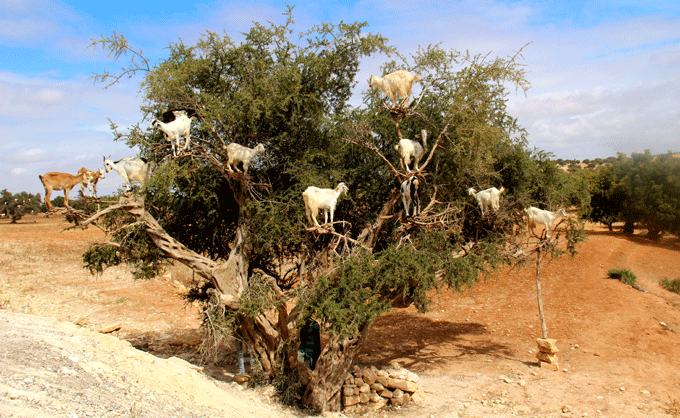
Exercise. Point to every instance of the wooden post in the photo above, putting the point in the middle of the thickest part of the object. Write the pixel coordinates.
(538, 293)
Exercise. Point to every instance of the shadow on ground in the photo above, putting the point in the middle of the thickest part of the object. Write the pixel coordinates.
(418, 338)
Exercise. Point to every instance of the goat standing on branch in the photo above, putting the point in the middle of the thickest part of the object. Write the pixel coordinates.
(90, 181)
(544, 217)
(175, 124)
(326, 199)
(59, 181)
(409, 195)
(130, 169)
(487, 199)
(397, 82)
(408, 148)
(237, 153)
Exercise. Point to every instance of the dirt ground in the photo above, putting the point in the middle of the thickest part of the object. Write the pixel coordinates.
(474, 352)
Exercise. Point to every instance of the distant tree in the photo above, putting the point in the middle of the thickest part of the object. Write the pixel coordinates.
(598, 161)
(15, 206)
(574, 166)
(607, 198)
(652, 187)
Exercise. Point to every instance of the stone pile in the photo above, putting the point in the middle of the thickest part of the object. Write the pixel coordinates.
(547, 354)
(368, 389)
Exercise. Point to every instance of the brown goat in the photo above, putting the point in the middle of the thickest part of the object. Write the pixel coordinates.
(91, 181)
(60, 181)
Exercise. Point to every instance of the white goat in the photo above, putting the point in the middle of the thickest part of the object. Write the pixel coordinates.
(90, 181)
(393, 83)
(326, 199)
(59, 181)
(175, 129)
(409, 195)
(130, 169)
(407, 149)
(544, 217)
(238, 153)
(487, 199)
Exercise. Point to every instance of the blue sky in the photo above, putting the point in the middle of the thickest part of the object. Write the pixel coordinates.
(605, 75)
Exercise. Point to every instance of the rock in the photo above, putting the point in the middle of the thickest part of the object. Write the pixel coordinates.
(374, 397)
(377, 387)
(350, 400)
(364, 397)
(547, 345)
(549, 366)
(412, 377)
(548, 358)
(374, 406)
(358, 381)
(365, 388)
(348, 390)
(81, 321)
(110, 328)
(418, 396)
(522, 383)
(383, 380)
(404, 385)
(505, 379)
(400, 398)
(386, 393)
(369, 377)
(356, 409)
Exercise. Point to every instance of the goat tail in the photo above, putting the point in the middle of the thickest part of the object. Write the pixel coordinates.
(416, 78)
(502, 189)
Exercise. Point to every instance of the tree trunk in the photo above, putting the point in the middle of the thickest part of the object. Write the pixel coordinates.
(369, 236)
(323, 391)
(539, 297)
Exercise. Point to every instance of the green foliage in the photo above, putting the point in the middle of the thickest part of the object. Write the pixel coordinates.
(98, 257)
(671, 285)
(291, 93)
(345, 301)
(607, 198)
(640, 188)
(15, 206)
(258, 298)
(624, 275)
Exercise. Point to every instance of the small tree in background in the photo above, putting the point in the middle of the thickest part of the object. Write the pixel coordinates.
(265, 272)
(640, 188)
(15, 206)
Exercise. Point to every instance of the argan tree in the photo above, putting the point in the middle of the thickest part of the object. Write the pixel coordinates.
(16, 205)
(264, 270)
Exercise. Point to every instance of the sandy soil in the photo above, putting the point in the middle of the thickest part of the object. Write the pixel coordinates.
(475, 352)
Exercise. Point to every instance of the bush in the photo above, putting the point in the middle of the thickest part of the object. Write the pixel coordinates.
(672, 285)
(624, 275)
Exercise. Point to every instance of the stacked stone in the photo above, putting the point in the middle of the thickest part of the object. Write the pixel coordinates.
(368, 389)
(547, 354)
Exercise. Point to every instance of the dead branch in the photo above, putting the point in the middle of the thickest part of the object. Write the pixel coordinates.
(363, 137)
(321, 230)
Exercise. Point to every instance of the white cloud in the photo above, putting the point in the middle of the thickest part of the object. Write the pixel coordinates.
(29, 23)
(18, 172)
(27, 156)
